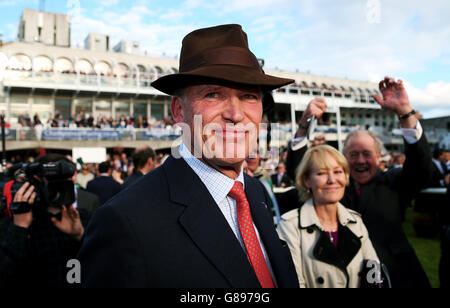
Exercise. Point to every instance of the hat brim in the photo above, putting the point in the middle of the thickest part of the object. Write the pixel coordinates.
(233, 74)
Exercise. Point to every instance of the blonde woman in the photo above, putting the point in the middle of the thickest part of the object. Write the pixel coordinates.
(328, 242)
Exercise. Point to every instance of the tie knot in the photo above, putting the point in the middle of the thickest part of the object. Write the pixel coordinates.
(237, 192)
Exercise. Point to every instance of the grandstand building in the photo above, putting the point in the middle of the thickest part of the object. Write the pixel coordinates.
(42, 74)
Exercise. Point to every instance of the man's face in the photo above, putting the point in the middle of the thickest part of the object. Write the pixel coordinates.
(281, 168)
(223, 122)
(362, 157)
(253, 162)
(446, 157)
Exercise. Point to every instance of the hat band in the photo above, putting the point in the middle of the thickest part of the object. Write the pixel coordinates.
(221, 56)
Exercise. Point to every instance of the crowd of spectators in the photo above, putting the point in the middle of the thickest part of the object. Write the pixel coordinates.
(86, 120)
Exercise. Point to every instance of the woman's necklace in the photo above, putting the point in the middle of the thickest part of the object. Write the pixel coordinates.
(331, 236)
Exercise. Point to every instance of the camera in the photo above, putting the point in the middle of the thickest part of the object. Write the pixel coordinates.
(52, 187)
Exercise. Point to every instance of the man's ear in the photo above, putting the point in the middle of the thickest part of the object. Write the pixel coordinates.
(377, 158)
(177, 109)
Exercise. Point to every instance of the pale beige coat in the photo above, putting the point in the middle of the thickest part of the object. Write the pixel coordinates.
(302, 239)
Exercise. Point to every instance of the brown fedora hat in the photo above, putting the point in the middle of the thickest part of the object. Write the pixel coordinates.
(218, 54)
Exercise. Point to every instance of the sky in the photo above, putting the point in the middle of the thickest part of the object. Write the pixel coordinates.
(355, 39)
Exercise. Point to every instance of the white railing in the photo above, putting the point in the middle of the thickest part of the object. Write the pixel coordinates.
(71, 79)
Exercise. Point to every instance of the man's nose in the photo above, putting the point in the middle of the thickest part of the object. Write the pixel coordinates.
(360, 158)
(233, 111)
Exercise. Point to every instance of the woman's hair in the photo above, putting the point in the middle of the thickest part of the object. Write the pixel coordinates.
(317, 157)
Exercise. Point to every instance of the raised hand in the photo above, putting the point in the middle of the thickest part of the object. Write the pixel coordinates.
(395, 97)
(316, 108)
(70, 222)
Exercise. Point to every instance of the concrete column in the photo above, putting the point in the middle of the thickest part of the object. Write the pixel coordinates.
(166, 110)
(8, 106)
(131, 106)
(131, 109)
(73, 106)
(52, 105)
(30, 106)
(149, 109)
(113, 108)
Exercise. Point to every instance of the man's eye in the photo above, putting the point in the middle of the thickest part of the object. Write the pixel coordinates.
(249, 96)
(212, 95)
(367, 154)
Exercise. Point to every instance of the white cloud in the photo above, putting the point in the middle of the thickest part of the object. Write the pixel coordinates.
(137, 24)
(336, 39)
(333, 38)
(433, 100)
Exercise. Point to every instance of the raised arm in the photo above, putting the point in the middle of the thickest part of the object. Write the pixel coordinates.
(316, 108)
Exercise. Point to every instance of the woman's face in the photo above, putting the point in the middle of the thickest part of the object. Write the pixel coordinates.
(327, 185)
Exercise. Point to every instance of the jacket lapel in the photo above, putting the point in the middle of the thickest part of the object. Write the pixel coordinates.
(206, 225)
(349, 244)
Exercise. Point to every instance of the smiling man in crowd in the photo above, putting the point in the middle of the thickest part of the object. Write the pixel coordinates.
(376, 195)
(197, 221)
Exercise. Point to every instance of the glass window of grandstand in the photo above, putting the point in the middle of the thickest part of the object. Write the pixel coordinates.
(63, 107)
(41, 101)
(157, 111)
(20, 116)
(140, 109)
(83, 107)
(19, 99)
(121, 109)
(40, 114)
(103, 109)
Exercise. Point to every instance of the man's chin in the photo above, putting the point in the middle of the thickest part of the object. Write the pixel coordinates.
(361, 178)
(227, 162)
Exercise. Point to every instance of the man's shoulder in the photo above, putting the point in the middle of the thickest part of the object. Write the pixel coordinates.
(86, 194)
(150, 188)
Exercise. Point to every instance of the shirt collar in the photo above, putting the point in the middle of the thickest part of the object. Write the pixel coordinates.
(217, 183)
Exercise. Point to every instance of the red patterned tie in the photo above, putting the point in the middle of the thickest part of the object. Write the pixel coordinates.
(254, 253)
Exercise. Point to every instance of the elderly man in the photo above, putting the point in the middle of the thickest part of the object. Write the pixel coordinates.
(197, 221)
(376, 195)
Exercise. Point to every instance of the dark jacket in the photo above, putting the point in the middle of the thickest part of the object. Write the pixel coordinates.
(131, 179)
(380, 204)
(284, 180)
(167, 231)
(87, 200)
(437, 176)
(105, 187)
(37, 256)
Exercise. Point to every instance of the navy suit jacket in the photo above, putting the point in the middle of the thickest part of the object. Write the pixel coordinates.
(105, 187)
(166, 230)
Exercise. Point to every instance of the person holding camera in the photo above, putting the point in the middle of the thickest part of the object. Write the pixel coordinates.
(37, 241)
